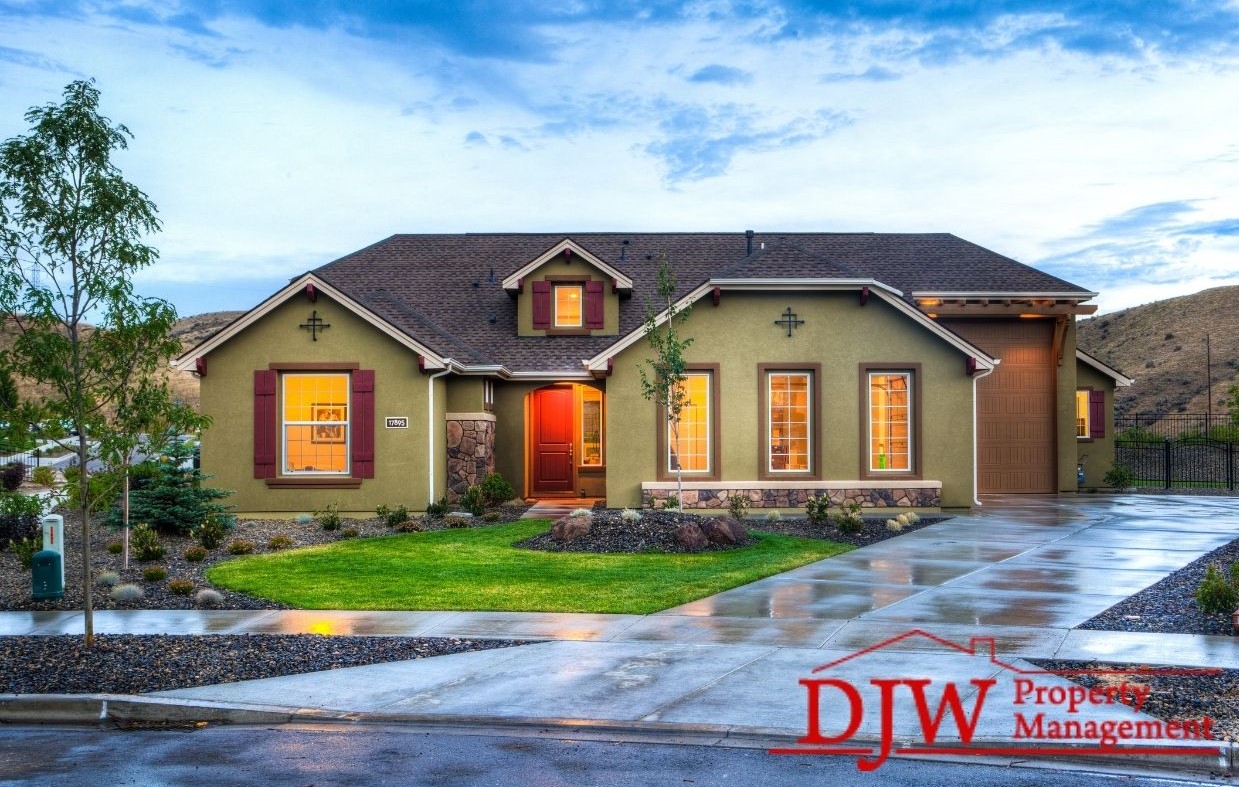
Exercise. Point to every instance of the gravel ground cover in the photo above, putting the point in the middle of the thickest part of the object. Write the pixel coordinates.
(655, 532)
(129, 664)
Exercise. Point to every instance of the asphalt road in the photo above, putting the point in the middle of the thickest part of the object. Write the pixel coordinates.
(302, 756)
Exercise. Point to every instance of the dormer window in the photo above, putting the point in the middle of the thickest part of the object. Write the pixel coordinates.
(568, 300)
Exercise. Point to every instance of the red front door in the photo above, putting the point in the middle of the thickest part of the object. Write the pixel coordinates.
(552, 442)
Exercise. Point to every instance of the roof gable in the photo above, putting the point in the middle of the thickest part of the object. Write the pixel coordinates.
(566, 247)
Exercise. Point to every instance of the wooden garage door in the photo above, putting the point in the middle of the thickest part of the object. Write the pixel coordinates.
(1015, 405)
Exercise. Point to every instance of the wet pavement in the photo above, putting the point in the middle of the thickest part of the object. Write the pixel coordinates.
(1021, 572)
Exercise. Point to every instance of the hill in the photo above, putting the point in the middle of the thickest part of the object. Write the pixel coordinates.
(1162, 345)
(191, 331)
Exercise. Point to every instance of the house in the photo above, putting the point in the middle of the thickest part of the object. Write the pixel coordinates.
(910, 370)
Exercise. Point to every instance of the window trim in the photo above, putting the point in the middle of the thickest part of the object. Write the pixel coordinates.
(556, 287)
(714, 451)
(814, 371)
(1087, 437)
(602, 429)
(283, 423)
(915, 431)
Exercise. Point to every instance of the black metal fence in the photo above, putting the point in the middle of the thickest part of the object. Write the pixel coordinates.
(1173, 425)
(31, 459)
(1181, 462)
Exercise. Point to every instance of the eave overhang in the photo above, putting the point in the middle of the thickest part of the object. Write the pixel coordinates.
(1003, 304)
(1120, 379)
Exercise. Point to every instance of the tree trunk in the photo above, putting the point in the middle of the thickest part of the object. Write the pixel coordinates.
(674, 423)
(125, 523)
(87, 601)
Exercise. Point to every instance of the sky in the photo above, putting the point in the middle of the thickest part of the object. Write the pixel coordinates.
(1098, 141)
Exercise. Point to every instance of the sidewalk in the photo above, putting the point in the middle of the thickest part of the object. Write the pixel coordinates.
(732, 664)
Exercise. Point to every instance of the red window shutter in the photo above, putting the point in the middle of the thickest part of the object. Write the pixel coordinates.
(541, 304)
(361, 423)
(593, 304)
(264, 422)
(1096, 414)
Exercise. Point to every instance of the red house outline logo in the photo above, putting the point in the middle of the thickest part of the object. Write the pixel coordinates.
(869, 758)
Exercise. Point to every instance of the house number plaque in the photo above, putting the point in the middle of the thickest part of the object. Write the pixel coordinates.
(397, 422)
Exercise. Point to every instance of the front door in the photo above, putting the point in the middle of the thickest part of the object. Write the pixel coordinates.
(553, 463)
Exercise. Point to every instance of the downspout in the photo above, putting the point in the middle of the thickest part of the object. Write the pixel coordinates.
(976, 487)
(430, 426)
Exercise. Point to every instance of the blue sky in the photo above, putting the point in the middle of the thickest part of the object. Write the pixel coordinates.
(1094, 140)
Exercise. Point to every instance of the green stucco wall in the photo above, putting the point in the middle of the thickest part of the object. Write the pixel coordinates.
(1065, 428)
(839, 334)
(1097, 454)
(401, 471)
(558, 267)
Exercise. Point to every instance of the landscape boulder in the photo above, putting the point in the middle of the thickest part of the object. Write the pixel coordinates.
(570, 528)
(689, 536)
(717, 531)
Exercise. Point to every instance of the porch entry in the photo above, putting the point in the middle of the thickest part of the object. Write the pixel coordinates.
(565, 442)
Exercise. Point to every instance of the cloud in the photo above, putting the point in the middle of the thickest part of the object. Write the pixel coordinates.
(871, 74)
(23, 57)
(1147, 217)
(475, 138)
(721, 75)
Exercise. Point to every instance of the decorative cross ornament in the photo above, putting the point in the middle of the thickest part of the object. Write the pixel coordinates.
(314, 325)
(789, 321)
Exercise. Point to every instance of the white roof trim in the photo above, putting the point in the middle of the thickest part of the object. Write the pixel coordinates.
(1120, 379)
(185, 362)
(512, 281)
(885, 292)
(1075, 296)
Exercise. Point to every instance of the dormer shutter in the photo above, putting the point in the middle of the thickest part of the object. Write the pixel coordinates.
(593, 304)
(541, 305)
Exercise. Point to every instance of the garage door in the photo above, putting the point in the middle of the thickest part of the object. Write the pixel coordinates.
(1015, 405)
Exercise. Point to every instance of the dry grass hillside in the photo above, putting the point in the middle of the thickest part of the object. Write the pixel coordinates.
(1162, 345)
(191, 331)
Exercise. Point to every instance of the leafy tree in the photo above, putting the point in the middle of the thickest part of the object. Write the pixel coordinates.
(173, 499)
(662, 377)
(1232, 403)
(72, 235)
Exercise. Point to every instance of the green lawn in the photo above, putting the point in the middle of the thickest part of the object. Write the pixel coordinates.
(478, 569)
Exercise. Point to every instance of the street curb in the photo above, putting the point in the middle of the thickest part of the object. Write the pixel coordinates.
(95, 709)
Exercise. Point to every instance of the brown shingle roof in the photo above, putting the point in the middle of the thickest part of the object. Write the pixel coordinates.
(445, 291)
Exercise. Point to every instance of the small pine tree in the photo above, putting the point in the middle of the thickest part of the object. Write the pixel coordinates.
(173, 499)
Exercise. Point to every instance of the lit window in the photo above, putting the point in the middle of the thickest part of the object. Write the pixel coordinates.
(788, 409)
(315, 422)
(1082, 425)
(689, 439)
(890, 421)
(568, 305)
(591, 427)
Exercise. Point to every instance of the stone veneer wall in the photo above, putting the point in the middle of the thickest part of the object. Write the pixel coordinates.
(888, 497)
(470, 451)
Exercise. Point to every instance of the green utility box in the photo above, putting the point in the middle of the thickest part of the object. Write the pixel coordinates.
(45, 573)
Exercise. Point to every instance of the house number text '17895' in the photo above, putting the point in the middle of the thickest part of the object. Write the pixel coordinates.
(401, 422)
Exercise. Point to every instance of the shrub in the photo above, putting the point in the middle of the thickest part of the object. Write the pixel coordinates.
(849, 519)
(44, 476)
(25, 549)
(913, 517)
(208, 598)
(329, 518)
(154, 573)
(196, 554)
(279, 541)
(439, 509)
(102, 489)
(212, 531)
(903, 521)
(492, 516)
(173, 499)
(774, 516)
(585, 512)
(12, 475)
(127, 594)
(496, 490)
(145, 543)
(456, 521)
(240, 547)
(349, 532)
(1119, 476)
(304, 519)
(1215, 593)
(412, 526)
(671, 501)
(473, 500)
(115, 547)
(180, 587)
(19, 517)
(108, 578)
(894, 525)
(817, 509)
(629, 515)
(738, 506)
(393, 516)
